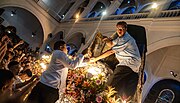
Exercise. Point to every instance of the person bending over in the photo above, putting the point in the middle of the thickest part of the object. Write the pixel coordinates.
(54, 78)
(125, 76)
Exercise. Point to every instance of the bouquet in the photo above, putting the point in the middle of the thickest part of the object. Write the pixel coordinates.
(88, 85)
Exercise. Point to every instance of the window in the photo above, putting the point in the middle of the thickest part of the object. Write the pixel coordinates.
(165, 96)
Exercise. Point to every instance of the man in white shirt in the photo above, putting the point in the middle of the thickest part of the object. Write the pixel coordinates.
(125, 75)
(46, 91)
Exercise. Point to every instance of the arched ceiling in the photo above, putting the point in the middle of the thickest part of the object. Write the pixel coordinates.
(27, 25)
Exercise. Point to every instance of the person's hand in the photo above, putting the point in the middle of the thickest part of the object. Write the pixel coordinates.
(92, 60)
(106, 39)
(86, 55)
(4, 37)
(34, 77)
(21, 42)
(11, 49)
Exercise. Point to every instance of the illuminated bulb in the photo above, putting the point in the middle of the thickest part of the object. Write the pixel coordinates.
(43, 65)
(104, 13)
(12, 14)
(154, 5)
(9, 31)
(77, 16)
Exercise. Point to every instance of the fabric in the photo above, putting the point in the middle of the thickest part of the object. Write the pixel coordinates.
(124, 80)
(126, 51)
(43, 94)
(59, 62)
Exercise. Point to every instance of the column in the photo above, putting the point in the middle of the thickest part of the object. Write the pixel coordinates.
(89, 7)
(113, 7)
(73, 9)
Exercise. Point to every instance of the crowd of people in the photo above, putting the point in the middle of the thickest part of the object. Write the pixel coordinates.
(16, 66)
(18, 69)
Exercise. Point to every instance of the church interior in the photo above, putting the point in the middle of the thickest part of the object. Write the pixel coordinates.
(30, 28)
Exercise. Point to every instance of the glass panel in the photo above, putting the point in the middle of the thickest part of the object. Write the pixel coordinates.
(165, 96)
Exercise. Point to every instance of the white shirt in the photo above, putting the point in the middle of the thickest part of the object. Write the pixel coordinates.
(127, 52)
(56, 73)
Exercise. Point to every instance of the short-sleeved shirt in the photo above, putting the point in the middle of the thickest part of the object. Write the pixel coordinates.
(126, 51)
(59, 63)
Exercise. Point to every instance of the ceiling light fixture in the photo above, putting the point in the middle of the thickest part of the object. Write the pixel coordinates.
(33, 34)
(13, 12)
(154, 6)
(104, 13)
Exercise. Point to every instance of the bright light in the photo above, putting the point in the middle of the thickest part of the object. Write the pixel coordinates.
(154, 5)
(43, 65)
(101, 7)
(123, 101)
(94, 70)
(104, 13)
(77, 16)
(45, 56)
(128, 2)
(32, 36)
(9, 31)
(12, 14)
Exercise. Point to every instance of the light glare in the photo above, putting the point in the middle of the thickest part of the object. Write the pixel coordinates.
(154, 5)
(104, 13)
(77, 16)
(43, 65)
(94, 70)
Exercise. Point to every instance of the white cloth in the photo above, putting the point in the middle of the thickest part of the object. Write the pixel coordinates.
(127, 52)
(57, 70)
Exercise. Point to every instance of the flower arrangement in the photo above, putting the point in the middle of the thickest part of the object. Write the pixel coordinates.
(83, 86)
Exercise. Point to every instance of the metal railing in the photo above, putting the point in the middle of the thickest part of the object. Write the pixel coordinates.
(162, 14)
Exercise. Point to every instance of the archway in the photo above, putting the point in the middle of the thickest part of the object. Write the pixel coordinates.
(76, 40)
(52, 39)
(129, 10)
(171, 89)
(174, 5)
(28, 26)
(99, 7)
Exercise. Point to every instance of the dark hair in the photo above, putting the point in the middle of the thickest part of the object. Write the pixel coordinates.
(5, 76)
(12, 63)
(123, 23)
(28, 72)
(58, 44)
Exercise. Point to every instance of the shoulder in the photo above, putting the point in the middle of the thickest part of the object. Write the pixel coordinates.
(58, 53)
(127, 36)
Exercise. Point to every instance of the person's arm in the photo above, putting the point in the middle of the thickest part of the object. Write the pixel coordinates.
(20, 85)
(108, 42)
(21, 42)
(69, 63)
(104, 55)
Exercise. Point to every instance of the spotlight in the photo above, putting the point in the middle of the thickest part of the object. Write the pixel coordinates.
(9, 31)
(128, 2)
(77, 16)
(154, 6)
(173, 73)
(104, 13)
(13, 13)
(33, 34)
